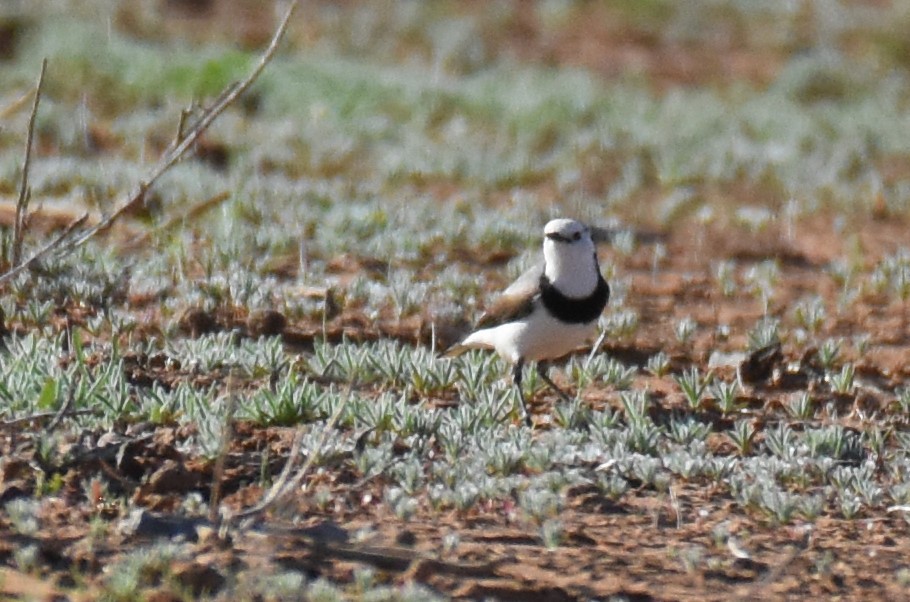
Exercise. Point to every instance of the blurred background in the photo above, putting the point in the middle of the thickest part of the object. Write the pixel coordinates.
(688, 62)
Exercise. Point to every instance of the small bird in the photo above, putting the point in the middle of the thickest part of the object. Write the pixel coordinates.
(550, 310)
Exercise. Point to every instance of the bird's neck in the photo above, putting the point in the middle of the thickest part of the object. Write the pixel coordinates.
(575, 273)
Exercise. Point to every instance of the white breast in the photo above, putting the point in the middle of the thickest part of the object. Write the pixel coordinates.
(537, 337)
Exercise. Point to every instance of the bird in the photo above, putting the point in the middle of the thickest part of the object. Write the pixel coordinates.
(549, 311)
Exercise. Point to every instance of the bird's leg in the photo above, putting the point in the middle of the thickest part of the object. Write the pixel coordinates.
(542, 371)
(516, 378)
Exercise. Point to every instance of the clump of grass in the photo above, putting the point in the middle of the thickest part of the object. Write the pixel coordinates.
(693, 386)
(766, 332)
(658, 364)
(684, 329)
(725, 395)
(741, 436)
(842, 382)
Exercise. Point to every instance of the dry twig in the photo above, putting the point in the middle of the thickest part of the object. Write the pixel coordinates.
(45, 250)
(174, 153)
(25, 192)
(41, 416)
(227, 433)
(184, 216)
(65, 407)
(285, 486)
(185, 140)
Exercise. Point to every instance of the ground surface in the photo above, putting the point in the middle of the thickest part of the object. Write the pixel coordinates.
(149, 373)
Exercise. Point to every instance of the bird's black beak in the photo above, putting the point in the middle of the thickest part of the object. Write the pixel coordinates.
(554, 236)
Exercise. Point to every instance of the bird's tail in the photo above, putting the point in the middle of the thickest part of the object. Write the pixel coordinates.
(455, 350)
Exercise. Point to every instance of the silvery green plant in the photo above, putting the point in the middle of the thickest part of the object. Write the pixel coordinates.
(571, 415)
(718, 469)
(684, 431)
(540, 504)
(604, 419)
(433, 377)
(643, 436)
(684, 464)
(636, 404)
(874, 438)
(725, 276)
(649, 471)
(615, 375)
(800, 406)
(832, 441)
(551, 533)
(765, 332)
(658, 364)
(373, 460)
(780, 505)
(613, 486)
(408, 474)
(725, 394)
(380, 414)
(869, 492)
(828, 353)
(850, 504)
(810, 314)
(538, 459)
(403, 505)
(391, 362)
(294, 401)
(900, 493)
(505, 458)
(621, 324)
(781, 441)
(22, 514)
(741, 436)
(810, 507)
(762, 279)
(600, 367)
(842, 382)
(476, 370)
(862, 342)
(693, 386)
(903, 399)
(684, 329)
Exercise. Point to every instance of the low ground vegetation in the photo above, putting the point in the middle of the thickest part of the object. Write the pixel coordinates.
(270, 319)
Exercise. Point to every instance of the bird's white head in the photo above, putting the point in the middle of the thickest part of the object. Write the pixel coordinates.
(570, 257)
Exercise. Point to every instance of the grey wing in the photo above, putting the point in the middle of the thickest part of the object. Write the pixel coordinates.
(516, 302)
(527, 282)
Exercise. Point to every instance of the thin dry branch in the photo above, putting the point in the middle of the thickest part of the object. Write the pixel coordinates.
(65, 407)
(227, 434)
(45, 250)
(284, 485)
(42, 416)
(191, 213)
(185, 140)
(14, 106)
(173, 154)
(24, 190)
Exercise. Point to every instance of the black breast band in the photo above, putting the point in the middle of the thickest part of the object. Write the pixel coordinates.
(571, 310)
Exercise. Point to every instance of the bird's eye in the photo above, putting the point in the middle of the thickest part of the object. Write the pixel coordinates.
(576, 236)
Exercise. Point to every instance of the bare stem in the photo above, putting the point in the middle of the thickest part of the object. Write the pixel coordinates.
(24, 191)
(182, 143)
(46, 250)
(171, 156)
(286, 485)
